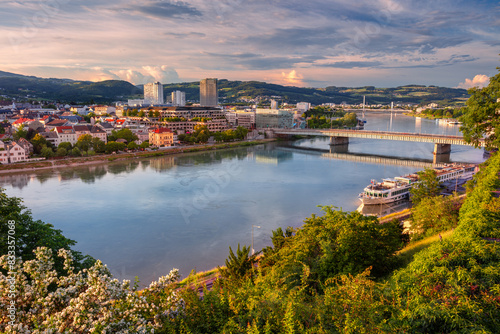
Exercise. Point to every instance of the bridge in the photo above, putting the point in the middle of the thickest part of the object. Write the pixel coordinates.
(442, 143)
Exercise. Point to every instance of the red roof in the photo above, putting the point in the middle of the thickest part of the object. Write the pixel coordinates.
(22, 120)
(162, 130)
(61, 128)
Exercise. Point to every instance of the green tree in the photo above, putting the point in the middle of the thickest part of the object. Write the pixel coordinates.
(144, 144)
(98, 145)
(76, 152)
(427, 186)
(84, 142)
(66, 145)
(39, 142)
(132, 146)
(433, 215)
(113, 146)
(31, 234)
(481, 116)
(21, 132)
(46, 152)
(61, 152)
(239, 265)
(125, 133)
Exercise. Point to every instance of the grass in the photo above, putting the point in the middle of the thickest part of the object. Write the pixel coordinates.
(406, 254)
(199, 276)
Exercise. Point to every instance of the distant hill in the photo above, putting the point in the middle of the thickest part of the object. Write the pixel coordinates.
(66, 90)
(234, 91)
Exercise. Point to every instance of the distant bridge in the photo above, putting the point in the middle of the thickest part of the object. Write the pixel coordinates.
(442, 143)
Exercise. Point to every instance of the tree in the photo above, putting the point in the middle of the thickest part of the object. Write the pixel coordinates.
(434, 214)
(61, 152)
(84, 142)
(98, 145)
(238, 265)
(39, 142)
(46, 152)
(21, 132)
(113, 146)
(144, 144)
(125, 133)
(132, 146)
(427, 186)
(482, 115)
(66, 145)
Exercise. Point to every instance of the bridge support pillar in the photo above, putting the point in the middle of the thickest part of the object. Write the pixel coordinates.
(441, 158)
(442, 149)
(334, 141)
(339, 148)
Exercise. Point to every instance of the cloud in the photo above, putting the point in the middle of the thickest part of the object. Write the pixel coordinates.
(292, 78)
(166, 9)
(478, 81)
(351, 64)
(163, 74)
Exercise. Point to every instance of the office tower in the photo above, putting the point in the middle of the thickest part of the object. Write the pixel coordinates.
(178, 98)
(274, 104)
(153, 93)
(208, 93)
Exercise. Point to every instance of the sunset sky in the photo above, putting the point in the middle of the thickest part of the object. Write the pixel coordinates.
(314, 43)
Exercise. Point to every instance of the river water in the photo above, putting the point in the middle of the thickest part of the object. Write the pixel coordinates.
(144, 217)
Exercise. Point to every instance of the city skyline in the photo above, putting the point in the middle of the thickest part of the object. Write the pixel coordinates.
(315, 44)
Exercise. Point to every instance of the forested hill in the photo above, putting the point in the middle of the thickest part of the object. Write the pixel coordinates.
(66, 90)
(239, 91)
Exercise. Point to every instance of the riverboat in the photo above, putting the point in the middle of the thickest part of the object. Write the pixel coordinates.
(398, 188)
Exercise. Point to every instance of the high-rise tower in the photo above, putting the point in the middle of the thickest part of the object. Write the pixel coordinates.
(208, 93)
(153, 93)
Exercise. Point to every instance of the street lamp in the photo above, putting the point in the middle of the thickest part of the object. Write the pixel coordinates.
(253, 250)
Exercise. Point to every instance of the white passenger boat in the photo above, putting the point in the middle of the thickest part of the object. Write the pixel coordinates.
(398, 188)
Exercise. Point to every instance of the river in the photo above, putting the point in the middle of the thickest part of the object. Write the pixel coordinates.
(147, 216)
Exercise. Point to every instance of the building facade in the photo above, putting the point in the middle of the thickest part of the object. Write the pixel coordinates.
(178, 98)
(161, 137)
(208, 93)
(274, 118)
(153, 93)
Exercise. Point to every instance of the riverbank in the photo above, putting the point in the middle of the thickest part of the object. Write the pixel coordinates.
(105, 158)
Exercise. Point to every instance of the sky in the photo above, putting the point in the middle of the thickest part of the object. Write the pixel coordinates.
(313, 43)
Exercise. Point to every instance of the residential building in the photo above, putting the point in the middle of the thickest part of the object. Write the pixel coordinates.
(66, 134)
(131, 103)
(153, 93)
(56, 123)
(161, 137)
(208, 93)
(178, 98)
(80, 110)
(93, 130)
(302, 107)
(51, 137)
(26, 145)
(11, 152)
(102, 110)
(245, 119)
(274, 118)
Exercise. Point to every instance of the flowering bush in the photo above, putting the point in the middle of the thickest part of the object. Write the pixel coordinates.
(87, 301)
